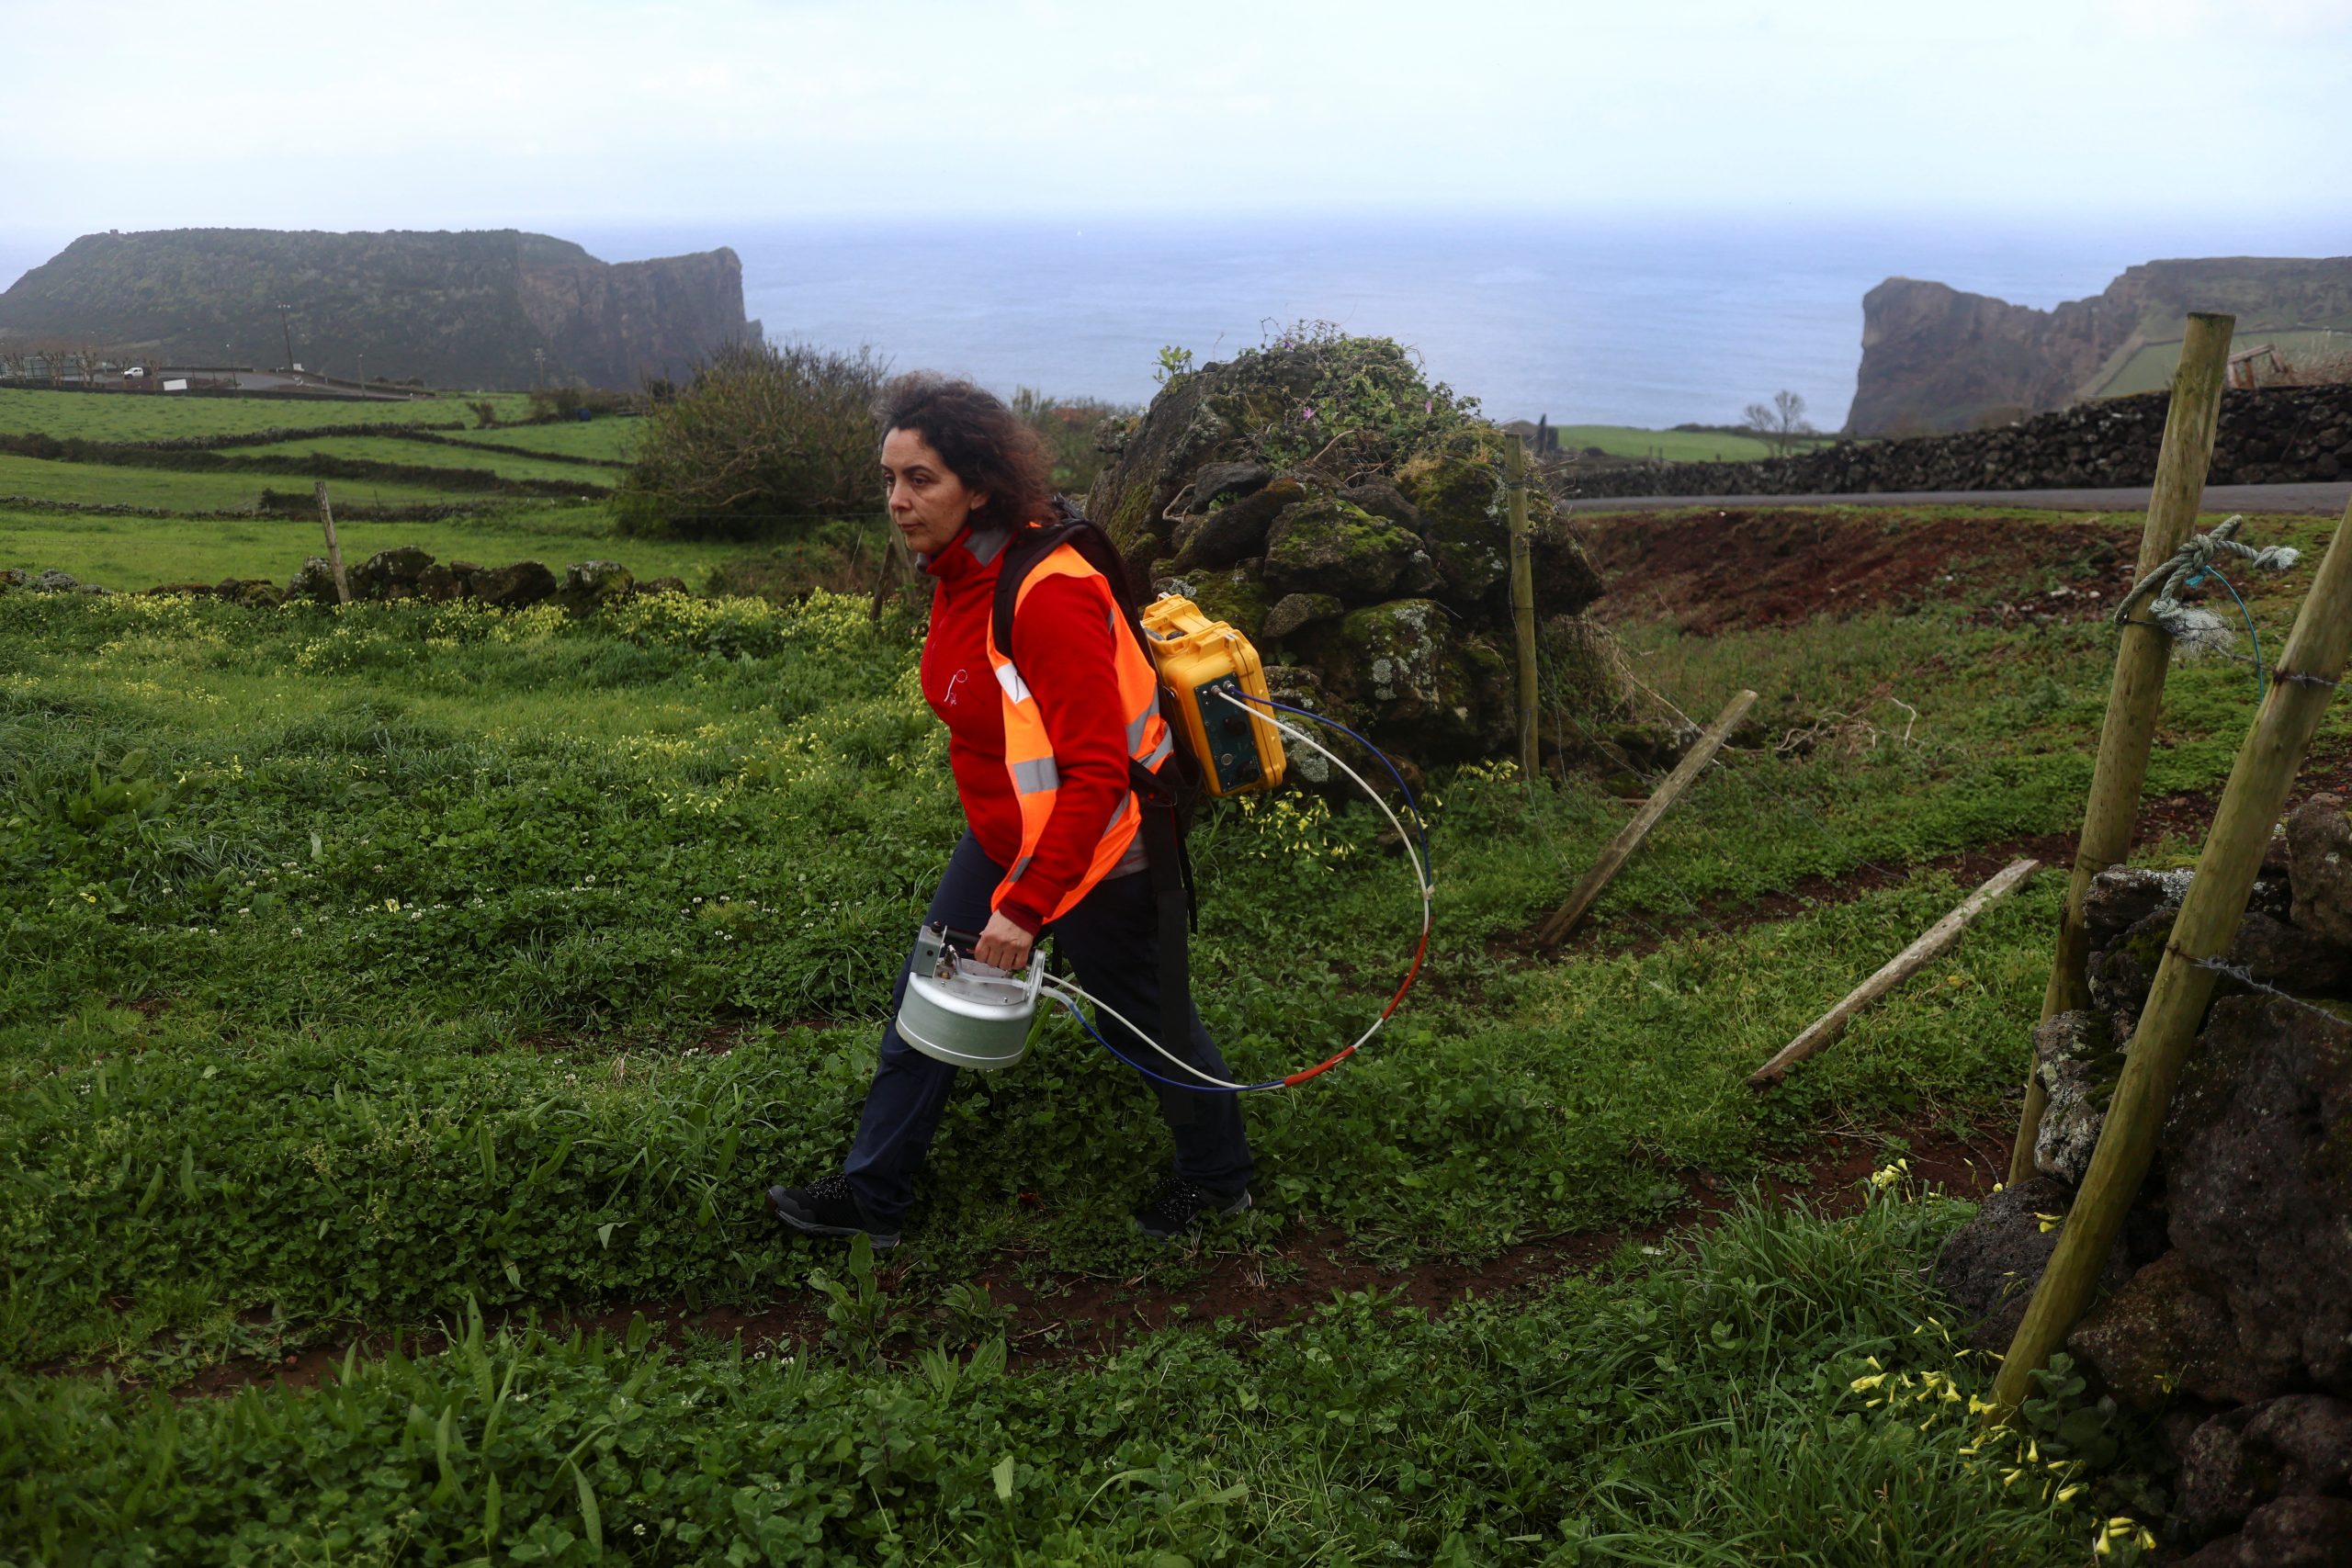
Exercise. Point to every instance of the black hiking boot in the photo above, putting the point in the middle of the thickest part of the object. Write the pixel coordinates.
(1178, 1203)
(827, 1207)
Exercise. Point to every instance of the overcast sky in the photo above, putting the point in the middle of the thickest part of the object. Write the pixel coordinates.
(429, 114)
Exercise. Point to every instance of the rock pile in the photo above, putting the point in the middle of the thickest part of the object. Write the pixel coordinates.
(2277, 435)
(1370, 562)
(2228, 1300)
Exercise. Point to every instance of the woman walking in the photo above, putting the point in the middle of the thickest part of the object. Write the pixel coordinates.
(1041, 737)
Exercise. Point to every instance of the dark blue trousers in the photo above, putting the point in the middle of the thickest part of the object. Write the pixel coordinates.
(1110, 940)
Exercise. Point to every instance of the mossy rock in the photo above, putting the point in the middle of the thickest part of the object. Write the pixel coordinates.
(1328, 545)
(1233, 595)
(1402, 662)
(1238, 529)
(1293, 610)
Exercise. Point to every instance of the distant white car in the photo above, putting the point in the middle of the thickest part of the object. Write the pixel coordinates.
(136, 373)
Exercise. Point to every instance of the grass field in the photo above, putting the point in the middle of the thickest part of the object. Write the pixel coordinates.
(102, 416)
(2150, 369)
(610, 438)
(438, 454)
(1665, 446)
(140, 552)
(373, 977)
(97, 484)
(381, 987)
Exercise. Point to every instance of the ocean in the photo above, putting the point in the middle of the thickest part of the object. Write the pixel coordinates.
(1610, 319)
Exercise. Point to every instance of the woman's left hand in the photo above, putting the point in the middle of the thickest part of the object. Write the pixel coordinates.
(1003, 944)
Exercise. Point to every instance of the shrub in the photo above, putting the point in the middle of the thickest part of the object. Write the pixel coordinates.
(1067, 426)
(763, 439)
(565, 402)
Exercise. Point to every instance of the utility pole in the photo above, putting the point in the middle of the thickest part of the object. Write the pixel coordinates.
(362, 372)
(538, 368)
(288, 330)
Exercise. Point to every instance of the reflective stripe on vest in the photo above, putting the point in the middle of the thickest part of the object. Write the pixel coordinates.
(1029, 754)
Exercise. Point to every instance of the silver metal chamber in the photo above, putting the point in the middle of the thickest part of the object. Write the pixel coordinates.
(964, 1012)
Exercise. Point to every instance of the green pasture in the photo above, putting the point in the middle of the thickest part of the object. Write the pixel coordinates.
(140, 552)
(436, 454)
(2150, 368)
(1665, 446)
(173, 490)
(609, 436)
(1787, 1392)
(1673, 446)
(364, 968)
(154, 416)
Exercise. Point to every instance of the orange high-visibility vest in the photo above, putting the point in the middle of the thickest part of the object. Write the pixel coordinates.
(1029, 754)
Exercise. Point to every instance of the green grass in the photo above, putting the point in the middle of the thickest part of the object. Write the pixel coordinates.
(610, 437)
(99, 417)
(357, 967)
(99, 484)
(1666, 445)
(1787, 1393)
(436, 454)
(140, 552)
(2150, 369)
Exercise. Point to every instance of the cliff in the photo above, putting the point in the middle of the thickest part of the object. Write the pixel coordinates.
(1935, 358)
(452, 310)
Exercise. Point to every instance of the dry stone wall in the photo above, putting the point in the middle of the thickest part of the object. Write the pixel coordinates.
(2277, 435)
(2226, 1306)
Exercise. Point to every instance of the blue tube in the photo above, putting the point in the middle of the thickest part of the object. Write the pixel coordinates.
(1156, 1077)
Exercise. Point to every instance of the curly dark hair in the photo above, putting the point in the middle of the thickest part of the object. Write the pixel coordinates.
(982, 441)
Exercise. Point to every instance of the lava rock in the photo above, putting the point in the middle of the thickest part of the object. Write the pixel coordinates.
(2319, 857)
(2123, 895)
(1384, 499)
(1227, 482)
(2166, 1329)
(2076, 1058)
(256, 592)
(389, 574)
(1236, 530)
(1326, 545)
(443, 582)
(1991, 1265)
(315, 581)
(1293, 610)
(2244, 1461)
(56, 581)
(2259, 1188)
(514, 587)
(664, 585)
(592, 584)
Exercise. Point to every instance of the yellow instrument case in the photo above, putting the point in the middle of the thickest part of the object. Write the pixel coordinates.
(1197, 659)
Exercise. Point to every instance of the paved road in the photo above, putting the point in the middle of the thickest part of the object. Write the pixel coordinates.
(2323, 499)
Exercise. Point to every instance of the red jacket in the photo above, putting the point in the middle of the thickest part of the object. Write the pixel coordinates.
(1062, 643)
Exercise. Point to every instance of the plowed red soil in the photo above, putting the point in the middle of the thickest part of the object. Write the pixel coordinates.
(1745, 568)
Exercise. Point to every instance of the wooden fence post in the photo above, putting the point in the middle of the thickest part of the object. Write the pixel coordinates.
(2202, 932)
(335, 547)
(2136, 697)
(1522, 599)
(1901, 967)
(1563, 920)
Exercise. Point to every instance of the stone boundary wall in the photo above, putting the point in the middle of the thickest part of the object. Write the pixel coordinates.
(2277, 435)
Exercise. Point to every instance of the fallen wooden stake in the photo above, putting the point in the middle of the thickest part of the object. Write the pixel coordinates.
(1562, 919)
(1904, 964)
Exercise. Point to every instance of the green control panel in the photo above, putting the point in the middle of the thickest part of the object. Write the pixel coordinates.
(1233, 751)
